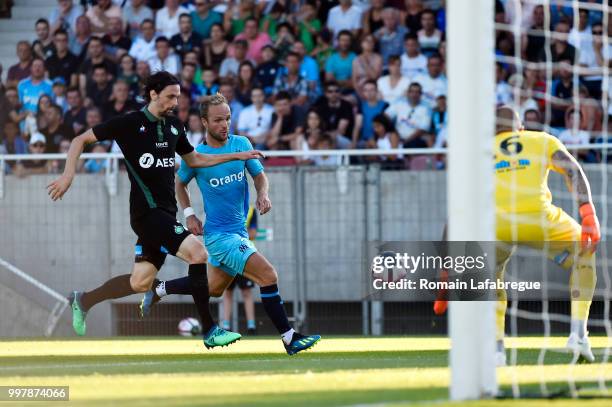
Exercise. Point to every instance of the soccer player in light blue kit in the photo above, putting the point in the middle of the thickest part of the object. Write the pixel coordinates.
(225, 190)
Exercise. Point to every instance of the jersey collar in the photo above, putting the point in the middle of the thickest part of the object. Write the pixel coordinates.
(150, 115)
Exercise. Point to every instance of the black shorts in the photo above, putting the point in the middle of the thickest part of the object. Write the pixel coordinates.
(242, 283)
(159, 234)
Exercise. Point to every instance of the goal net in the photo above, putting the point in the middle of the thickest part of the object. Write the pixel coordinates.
(550, 63)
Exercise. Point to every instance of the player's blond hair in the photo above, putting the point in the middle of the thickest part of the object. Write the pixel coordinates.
(213, 100)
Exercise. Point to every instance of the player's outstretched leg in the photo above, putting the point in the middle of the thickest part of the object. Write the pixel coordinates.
(81, 302)
(583, 279)
(260, 271)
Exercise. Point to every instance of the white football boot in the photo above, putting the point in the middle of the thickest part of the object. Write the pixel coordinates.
(580, 347)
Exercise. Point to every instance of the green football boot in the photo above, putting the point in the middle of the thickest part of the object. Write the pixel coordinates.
(218, 336)
(78, 315)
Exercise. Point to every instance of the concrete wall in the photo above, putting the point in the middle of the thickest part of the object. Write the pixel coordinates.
(64, 245)
(22, 315)
(86, 238)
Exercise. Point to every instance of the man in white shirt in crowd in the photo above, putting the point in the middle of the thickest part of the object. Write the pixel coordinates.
(434, 81)
(255, 120)
(344, 16)
(143, 48)
(413, 61)
(412, 118)
(164, 59)
(582, 39)
(167, 18)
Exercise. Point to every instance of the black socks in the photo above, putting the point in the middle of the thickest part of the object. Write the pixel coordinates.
(273, 304)
(199, 291)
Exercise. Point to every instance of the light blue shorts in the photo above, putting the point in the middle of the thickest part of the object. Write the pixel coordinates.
(229, 251)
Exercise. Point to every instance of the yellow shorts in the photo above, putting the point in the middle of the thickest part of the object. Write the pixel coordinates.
(552, 230)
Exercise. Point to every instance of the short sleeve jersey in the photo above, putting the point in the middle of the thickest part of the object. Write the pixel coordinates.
(523, 161)
(148, 145)
(224, 187)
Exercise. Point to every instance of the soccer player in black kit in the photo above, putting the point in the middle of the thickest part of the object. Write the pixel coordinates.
(149, 139)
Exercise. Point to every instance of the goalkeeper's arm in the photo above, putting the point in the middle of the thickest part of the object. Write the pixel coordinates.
(577, 183)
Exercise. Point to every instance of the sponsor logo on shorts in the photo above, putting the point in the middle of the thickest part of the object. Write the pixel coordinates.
(243, 248)
(178, 229)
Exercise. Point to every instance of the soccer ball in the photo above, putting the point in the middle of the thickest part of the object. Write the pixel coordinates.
(189, 327)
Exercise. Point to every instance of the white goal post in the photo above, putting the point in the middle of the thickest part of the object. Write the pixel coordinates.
(470, 185)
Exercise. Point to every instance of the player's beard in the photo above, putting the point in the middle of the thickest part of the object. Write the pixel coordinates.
(168, 112)
(221, 138)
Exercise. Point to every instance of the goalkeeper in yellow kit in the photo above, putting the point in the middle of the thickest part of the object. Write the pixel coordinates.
(525, 215)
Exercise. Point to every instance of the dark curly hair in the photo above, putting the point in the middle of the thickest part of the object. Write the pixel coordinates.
(158, 82)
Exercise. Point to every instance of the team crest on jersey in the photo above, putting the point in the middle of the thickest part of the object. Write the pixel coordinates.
(178, 229)
(174, 130)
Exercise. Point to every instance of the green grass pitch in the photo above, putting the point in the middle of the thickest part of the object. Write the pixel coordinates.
(256, 371)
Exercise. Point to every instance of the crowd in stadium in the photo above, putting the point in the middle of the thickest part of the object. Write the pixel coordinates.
(299, 75)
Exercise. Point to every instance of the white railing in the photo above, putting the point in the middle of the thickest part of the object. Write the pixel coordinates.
(290, 153)
(111, 170)
(267, 153)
